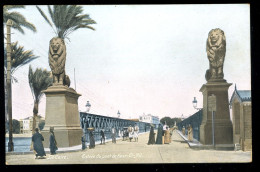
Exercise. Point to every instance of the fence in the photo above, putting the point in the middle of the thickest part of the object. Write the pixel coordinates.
(106, 123)
(195, 121)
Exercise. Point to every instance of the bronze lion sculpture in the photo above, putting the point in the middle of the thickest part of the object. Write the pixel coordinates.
(57, 59)
(216, 51)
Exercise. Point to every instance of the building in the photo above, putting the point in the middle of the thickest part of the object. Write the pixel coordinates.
(26, 123)
(242, 119)
(150, 119)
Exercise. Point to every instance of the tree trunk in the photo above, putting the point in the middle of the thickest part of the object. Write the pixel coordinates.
(35, 112)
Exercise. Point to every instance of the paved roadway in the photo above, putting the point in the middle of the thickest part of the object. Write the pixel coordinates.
(124, 152)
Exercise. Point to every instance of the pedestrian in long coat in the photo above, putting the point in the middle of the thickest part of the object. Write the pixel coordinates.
(167, 136)
(83, 141)
(102, 134)
(190, 134)
(183, 130)
(37, 139)
(91, 138)
(151, 140)
(113, 135)
(53, 143)
(159, 134)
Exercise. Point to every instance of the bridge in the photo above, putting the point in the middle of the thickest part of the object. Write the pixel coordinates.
(106, 123)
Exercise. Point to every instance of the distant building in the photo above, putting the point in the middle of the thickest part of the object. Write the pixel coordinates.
(26, 123)
(242, 118)
(150, 119)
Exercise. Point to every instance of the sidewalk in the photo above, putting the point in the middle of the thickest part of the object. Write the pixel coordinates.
(195, 144)
(126, 152)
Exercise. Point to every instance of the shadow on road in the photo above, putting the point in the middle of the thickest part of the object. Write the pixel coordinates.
(180, 141)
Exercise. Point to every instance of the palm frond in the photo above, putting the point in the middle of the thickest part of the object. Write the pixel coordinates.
(10, 7)
(18, 19)
(39, 80)
(44, 16)
(68, 18)
(19, 56)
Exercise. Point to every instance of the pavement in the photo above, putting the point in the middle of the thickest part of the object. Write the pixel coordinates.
(195, 144)
(126, 152)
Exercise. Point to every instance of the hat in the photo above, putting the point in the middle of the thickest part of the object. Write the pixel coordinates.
(51, 128)
(151, 125)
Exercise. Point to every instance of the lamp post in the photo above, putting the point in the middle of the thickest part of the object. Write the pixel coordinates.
(118, 114)
(194, 102)
(8, 84)
(182, 117)
(88, 105)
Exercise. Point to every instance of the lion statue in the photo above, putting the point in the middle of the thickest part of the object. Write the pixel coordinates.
(216, 51)
(57, 59)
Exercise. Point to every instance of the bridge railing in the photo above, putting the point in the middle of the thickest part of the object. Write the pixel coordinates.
(195, 121)
(106, 123)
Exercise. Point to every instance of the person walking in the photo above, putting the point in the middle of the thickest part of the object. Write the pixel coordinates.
(159, 134)
(83, 141)
(136, 132)
(37, 139)
(130, 132)
(190, 133)
(163, 134)
(53, 143)
(113, 134)
(167, 136)
(91, 138)
(183, 131)
(102, 133)
(151, 140)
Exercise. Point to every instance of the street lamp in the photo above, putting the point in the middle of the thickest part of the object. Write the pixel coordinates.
(88, 105)
(194, 102)
(182, 117)
(118, 114)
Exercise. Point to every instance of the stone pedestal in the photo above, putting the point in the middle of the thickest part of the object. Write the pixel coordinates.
(223, 124)
(62, 114)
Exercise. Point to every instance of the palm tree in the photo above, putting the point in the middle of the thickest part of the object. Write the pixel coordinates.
(18, 19)
(66, 19)
(39, 80)
(19, 57)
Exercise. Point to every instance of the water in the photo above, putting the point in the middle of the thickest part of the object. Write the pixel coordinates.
(21, 144)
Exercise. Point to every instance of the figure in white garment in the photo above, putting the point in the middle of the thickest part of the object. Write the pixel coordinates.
(136, 132)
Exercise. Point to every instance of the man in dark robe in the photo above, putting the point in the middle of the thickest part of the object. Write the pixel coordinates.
(151, 136)
(113, 134)
(159, 134)
(91, 139)
(37, 139)
(102, 133)
(53, 143)
(83, 141)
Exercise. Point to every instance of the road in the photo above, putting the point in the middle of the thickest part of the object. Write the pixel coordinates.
(124, 152)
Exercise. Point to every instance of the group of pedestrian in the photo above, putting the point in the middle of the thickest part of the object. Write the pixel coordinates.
(163, 135)
(37, 140)
(133, 132)
(189, 132)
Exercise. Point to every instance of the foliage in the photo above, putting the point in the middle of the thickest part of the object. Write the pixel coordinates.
(170, 121)
(39, 80)
(16, 126)
(19, 56)
(18, 19)
(41, 125)
(66, 19)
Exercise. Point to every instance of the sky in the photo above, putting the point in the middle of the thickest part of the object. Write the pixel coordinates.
(141, 59)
